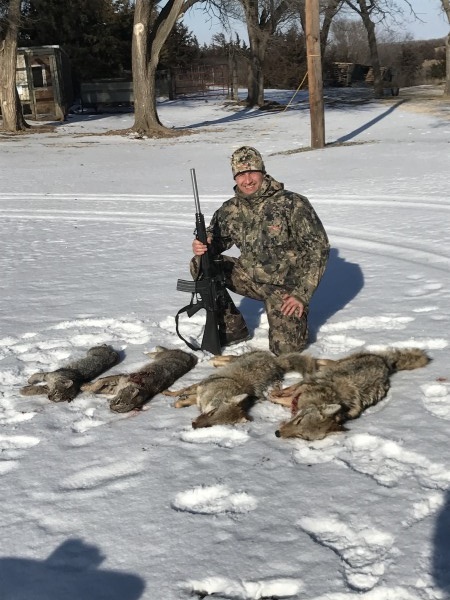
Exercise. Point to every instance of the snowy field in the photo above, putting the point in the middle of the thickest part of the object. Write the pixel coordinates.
(94, 232)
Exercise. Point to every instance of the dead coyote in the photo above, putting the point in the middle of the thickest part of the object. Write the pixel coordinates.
(342, 390)
(224, 397)
(65, 383)
(133, 390)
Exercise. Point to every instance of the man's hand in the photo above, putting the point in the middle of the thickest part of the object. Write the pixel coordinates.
(291, 306)
(198, 248)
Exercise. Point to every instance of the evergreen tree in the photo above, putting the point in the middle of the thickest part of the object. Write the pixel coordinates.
(285, 63)
(181, 48)
(96, 34)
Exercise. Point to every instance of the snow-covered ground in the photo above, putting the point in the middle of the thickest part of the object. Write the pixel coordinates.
(95, 231)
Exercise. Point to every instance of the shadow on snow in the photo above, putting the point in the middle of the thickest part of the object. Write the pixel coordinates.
(70, 572)
(340, 283)
(441, 549)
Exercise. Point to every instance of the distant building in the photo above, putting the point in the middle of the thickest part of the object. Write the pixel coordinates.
(44, 82)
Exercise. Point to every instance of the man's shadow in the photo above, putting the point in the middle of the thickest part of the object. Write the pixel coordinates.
(441, 549)
(71, 572)
(340, 283)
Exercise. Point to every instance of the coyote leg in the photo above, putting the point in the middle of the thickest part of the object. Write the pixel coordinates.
(104, 385)
(187, 391)
(326, 362)
(284, 401)
(186, 396)
(186, 400)
(221, 361)
(286, 396)
(34, 390)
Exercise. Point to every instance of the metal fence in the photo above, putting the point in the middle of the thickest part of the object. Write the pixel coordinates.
(201, 80)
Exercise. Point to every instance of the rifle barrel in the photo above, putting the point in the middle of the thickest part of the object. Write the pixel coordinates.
(195, 190)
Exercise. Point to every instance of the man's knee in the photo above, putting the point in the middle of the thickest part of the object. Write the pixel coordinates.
(194, 266)
(288, 334)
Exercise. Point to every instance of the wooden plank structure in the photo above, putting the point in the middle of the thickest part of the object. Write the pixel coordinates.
(347, 74)
(44, 83)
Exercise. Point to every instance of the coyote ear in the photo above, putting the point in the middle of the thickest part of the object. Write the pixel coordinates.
(239, 398)
(329, 410)
(66, 383)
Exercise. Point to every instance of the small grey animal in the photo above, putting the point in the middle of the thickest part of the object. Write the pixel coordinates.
(65, 383)
(325, 400)
(133, 390)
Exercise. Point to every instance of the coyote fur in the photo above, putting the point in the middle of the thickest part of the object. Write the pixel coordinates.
(133, 390)
(65, 383)
(224, 397)
(342, 390)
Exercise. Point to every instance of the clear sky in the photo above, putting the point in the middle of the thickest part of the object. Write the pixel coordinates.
(433, 25)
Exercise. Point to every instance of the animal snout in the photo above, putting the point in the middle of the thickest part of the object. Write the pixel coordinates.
(277, 433)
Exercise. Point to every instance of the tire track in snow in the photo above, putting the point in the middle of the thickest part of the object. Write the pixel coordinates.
(435, 202)
(368, 242)
(385, 246)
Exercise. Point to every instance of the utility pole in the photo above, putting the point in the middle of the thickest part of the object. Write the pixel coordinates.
(315, 84)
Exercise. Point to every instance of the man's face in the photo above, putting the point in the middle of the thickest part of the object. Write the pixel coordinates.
(249, 182)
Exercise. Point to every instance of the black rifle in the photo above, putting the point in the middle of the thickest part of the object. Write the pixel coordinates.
(208, 290)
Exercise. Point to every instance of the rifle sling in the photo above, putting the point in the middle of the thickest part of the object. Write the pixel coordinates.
(190, 309)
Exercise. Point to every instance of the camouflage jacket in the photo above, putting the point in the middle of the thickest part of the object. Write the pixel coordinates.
(281, 239)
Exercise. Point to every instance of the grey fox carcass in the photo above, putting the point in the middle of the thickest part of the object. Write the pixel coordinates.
(65, 383)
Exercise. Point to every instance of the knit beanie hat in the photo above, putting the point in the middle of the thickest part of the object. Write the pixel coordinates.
(245, 159)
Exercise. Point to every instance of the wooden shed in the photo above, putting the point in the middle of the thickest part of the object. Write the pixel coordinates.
(44, 82)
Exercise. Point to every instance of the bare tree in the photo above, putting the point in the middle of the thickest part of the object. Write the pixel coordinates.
(373, 12)
(330, 8)
(446, 9)
(262, 18)
(12, 114)
(349, 41)
(149, 35)
(366, 8)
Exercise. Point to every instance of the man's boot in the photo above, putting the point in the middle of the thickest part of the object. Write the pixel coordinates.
(233, 329)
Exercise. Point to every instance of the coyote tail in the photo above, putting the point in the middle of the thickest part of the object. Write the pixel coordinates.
(405, 359)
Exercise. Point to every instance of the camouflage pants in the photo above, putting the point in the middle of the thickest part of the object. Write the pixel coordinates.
(286, 333)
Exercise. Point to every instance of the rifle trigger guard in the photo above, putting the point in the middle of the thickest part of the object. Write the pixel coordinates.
(193, 308)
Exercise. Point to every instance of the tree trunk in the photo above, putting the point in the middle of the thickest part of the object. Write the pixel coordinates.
(12, 114)
(146, 48)
(145, 115)
(329, 12)
(447, 69)
(373, 48)
(255, 95)
(233, 82)
(446, 9)
(258, 38)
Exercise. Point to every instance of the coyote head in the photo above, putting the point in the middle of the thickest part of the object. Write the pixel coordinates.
(62, 390)
(226, 413)
(128, 398)
(313, 422)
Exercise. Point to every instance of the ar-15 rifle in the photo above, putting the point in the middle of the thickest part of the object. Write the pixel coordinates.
(208, 290)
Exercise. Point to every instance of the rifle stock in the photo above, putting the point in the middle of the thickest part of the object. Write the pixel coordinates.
(209, 287)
